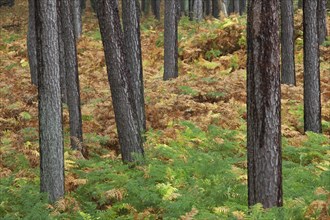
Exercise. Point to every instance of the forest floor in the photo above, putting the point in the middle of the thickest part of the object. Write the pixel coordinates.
(196, 139)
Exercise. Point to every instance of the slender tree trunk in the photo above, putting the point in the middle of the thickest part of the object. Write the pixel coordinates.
(155, 4)
(223, 8)
(72, 78)
(146, 6)
(129, 135)
(198, 10)
(76, 14)
(170, 40)
(191, 9)
(242, 6)
(50, 109)
(300, 4)
(263, 104)
(64, 93)
(236, 6)
(9, 3)
(207, 7)
(132, 38)
(322, 20)
(230, 7)
(31, 43)
(215, 8)
(312, 94)
(287, 42)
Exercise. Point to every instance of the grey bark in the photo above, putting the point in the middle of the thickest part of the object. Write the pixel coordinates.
(76, 15)
(155, 5)
(312, 94)
(129, 135)
(215, 8)
(145, 4)
(208, 7)
(170, 40)
(242, 7)
(64, 93)
(50, 109)
(198, 10)
(31, 44)
(132, 38)
(287, 43)
(263, 104)
(72, 78)
(236, 6)
(322, 20)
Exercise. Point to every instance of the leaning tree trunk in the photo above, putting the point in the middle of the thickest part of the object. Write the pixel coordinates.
(312, 94)
(322, 20)
(198, 10)
(170, 40)
(50, 109)
(32, 43)
(287, 43)
(132, 38)
(263, 104)
(129, 135)
(72, 78)
(155, 5)
(215, 8)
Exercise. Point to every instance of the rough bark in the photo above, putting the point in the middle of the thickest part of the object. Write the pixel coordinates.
(287, 43)
(198, 10)
(72, 78)
(50, 109)
(132, 38)
(118, 75)
(155, 5)
(263, 104)
(76, 16)
(64, 93)
(31, 43)
(236, 6)
(322, 20)
(170, 40)
(312, 97)
(215, 8)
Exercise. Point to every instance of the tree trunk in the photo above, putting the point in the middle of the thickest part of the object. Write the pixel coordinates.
(230, 6)
(9, 3)
(76, 14)
(132, 38)
(236, 6)
(312, 97)
(50, 109)
(287, 42)
(145, 6)
(170, 40)
(198, 10)
(300, 4)
(242, 6)
(64, 93)
(72, 78)
(129, 135)
(322, 20)
(207, 7)
(155, 4)
(263, 104)
(31, 44)
(215, 8)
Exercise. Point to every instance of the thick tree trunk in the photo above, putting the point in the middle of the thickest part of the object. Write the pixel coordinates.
(76, 15)
(312, 94)
(155, 4)
(32, 43)
(132, 39)
(322, 20)
(50, 109)
(118, 74)
(263, 104)
(198, 10)
(215, 8)
(287, 43)
(170, 40)
(72, 78)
